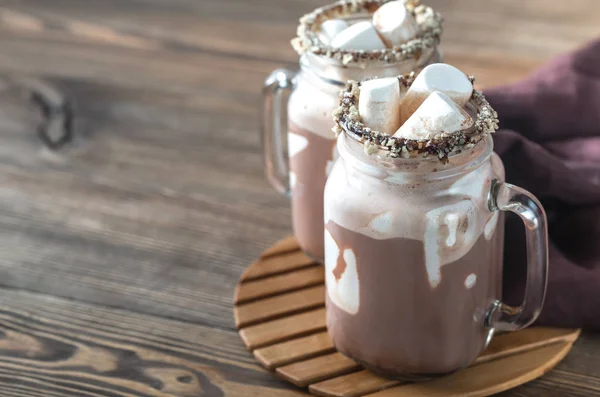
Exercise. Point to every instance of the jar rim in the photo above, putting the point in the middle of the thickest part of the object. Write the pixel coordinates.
(441, 146)
(458, 163)
(308, 41)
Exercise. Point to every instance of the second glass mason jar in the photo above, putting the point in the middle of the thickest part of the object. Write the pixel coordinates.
(301, 169)
(414, 244)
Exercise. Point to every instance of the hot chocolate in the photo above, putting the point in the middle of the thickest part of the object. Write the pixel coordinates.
(311, 159)
(413, 260)
(336, 43)
(414, 234)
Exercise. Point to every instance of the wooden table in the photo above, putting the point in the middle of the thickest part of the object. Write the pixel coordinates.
(119, 252)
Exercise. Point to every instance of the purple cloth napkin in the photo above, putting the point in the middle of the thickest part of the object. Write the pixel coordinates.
(549, 139)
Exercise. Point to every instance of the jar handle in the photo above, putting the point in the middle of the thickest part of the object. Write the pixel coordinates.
(274, 126)
(507, 197)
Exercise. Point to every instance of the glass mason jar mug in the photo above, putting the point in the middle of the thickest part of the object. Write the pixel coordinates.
(301, 169)
(413, 255)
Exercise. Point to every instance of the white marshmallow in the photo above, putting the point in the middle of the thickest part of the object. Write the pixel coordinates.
(379, 104)
(395, 24)
(360, 36)
(436, 77)
(437, 114)
(331, 28)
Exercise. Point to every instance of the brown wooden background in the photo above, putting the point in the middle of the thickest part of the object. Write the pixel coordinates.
(119, 253)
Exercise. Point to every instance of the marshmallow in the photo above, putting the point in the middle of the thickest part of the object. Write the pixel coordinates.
(438, 113)
(395, 24)
(436, 77)
(331, 28)
(379, 104)
(360, 36)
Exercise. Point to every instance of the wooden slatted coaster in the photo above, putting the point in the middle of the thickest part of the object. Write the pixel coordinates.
(280, 313)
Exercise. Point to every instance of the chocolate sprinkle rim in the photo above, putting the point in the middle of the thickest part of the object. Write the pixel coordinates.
(347, 119)
(308, 39)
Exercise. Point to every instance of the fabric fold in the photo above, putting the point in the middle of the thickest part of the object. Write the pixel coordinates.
(549, 140)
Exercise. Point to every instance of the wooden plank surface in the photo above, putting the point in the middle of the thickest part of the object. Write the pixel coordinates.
(365, 382)
(316, 369)
(294, 350)
(283, 329)
(311, 361)
(279, 306)
(150, 217)
(273, 265)
(281, 283)
(355, 384)
(52, 346)
(284, 245)
(485, 379)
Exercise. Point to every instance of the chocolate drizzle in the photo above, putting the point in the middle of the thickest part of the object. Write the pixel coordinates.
(442, 145)
(308, 40)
